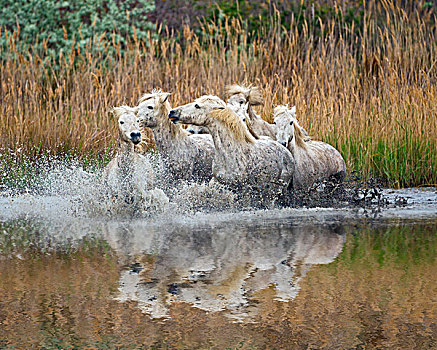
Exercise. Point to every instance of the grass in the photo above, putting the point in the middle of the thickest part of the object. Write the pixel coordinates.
(371, 91)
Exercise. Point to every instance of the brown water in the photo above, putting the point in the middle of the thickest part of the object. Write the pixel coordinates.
(278, 279)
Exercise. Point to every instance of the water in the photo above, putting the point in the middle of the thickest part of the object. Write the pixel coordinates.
(292, 278)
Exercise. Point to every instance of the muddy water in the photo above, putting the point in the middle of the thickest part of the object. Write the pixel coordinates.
(276, 279)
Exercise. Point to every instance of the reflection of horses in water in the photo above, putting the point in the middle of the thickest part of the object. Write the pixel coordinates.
(220, 268)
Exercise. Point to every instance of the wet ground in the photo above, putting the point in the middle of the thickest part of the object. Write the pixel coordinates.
(316, 278)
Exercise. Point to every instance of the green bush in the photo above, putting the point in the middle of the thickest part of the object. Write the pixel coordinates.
(257, 14)
(57, 25)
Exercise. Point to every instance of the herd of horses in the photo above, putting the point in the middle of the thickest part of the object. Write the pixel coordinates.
(226, 143)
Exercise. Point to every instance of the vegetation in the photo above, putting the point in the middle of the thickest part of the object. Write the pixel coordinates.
(365, 84)
(51, 27)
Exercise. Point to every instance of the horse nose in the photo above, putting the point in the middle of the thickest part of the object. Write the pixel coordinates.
(173, 115)
(283, 143)
(135, 134)
(135, 137)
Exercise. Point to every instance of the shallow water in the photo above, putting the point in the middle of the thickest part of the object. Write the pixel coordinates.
(318, 278)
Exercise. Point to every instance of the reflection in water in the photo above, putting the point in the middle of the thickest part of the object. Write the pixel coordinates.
(221, 268)
(259, 280)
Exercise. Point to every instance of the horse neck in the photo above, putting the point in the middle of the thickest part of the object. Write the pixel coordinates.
(166, 132)
(251, 113)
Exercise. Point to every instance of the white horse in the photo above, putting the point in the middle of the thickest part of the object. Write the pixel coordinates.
(258, 167)
(244, 98)
(129, 176)
(187, 157)
(241, 111)
(193, 129)
(315, 160)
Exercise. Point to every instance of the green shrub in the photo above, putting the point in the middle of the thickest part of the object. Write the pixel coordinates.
(56, 25)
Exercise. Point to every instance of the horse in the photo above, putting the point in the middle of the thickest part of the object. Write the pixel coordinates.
(240, 96)
(193, 129)
(241, 111)
(186, 157)
(315, 160)
(260, 168)
(129, 176)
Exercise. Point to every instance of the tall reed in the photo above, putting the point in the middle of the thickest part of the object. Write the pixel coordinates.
(370, 91)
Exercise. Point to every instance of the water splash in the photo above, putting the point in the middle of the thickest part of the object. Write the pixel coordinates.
(68, 186)
(62, 185)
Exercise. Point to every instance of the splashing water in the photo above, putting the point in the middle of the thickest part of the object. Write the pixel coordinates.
(59, 185)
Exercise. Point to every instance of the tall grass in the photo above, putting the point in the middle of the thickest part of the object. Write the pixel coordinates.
(370, 91)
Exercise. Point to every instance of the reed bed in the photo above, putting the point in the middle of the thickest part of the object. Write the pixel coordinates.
(371, 92)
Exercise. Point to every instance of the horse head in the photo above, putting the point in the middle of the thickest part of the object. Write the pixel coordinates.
(128, 124)
(196, 112)
(150, 108)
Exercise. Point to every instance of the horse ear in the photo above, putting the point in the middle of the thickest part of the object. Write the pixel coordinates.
(164, 97)
(293, 109)
(116, 111)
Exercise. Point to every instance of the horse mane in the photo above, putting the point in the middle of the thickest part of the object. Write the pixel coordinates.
(233, 123)
(120, 110)
(212, 100)
(300, 137)
(249, 125)
(253, 95)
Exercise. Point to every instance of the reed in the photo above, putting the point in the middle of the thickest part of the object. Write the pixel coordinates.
(370, 91)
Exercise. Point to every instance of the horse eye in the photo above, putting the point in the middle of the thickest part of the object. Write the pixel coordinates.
(121, 122)
(196, 106)
(274, 123)
(241, 102)
(150, 107)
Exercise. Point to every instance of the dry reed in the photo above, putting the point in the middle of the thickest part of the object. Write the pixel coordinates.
(371, 92)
